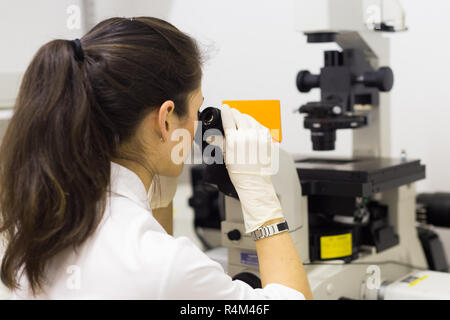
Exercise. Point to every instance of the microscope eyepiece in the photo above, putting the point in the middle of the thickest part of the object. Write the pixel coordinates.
(208, 117)
(215, 171)
(211, 119)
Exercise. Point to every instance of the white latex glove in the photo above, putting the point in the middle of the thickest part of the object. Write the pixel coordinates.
(161, 191)
(249, 172)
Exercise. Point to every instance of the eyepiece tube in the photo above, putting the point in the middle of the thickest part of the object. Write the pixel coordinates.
(211, 119)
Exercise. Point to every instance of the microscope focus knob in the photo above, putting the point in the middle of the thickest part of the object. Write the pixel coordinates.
(306, 81)
(250, 279)
(234, 235)
(382, 79)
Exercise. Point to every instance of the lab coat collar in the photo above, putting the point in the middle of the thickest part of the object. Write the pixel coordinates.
(126, 183)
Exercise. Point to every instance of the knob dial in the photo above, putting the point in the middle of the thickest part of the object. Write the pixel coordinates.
(234, 235)
(249, 278)
(382, 79)
(306, 81)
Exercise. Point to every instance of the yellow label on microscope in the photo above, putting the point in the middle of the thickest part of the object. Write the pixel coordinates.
(336, 246)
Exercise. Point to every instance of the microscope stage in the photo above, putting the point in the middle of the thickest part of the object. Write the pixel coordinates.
(358, 177)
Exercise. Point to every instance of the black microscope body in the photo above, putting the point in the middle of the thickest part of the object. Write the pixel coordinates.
(347, 79)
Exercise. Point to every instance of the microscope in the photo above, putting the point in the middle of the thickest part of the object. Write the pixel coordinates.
(352, 220)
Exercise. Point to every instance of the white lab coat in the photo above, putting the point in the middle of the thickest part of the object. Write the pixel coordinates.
(130, 256)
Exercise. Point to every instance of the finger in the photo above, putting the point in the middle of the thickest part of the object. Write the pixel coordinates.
(241, 122)
(251, 122)
(254, 124)
(227, 118)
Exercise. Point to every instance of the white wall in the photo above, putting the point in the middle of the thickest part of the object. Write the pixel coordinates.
(421, 96)
(26, 25)
(98, 10)
(256, 54)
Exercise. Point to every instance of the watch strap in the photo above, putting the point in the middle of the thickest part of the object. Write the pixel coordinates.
(270, 230)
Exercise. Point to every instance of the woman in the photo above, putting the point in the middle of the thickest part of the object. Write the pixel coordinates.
(90, 135)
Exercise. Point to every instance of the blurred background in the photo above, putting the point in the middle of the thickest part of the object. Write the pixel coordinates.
(253, 52)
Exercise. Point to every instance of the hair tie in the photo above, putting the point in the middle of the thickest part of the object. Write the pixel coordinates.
(79, 54)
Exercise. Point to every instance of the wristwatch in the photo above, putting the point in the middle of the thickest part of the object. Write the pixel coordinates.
(270, 230)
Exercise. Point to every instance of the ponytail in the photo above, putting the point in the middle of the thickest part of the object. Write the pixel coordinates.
(52, 153)
(78, 101)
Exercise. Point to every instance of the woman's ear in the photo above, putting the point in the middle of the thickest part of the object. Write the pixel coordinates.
(164, 117)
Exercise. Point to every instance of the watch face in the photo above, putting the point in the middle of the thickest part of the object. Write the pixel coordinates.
(282, 226)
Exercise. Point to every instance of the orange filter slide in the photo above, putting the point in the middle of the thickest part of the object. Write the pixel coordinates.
(266, 112)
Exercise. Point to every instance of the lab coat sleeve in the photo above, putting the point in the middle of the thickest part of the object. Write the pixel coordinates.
(193, 275)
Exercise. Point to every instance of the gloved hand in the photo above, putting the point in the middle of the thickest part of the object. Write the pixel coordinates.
(161, 191)
(248, 153)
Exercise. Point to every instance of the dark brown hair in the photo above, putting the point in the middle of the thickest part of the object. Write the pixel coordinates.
(69, 120)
